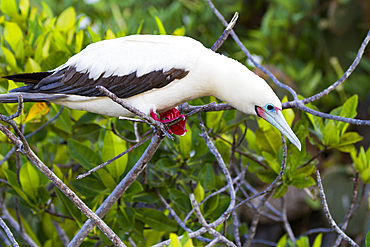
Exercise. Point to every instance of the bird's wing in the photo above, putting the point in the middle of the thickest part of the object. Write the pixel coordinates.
(126, 67)
(69, 81)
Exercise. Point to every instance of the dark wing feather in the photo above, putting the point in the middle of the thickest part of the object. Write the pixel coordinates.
(69, 81)
(29, 78)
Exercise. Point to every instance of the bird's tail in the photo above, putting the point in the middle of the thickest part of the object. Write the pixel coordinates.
(29, 97)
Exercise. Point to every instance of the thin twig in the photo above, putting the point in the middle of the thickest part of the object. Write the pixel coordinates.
(297, 103)
(275, 182)
(287, 227)
(347, 218)
(234, 215)
(120, 189)
(256, 217)
(226, 33)
(115, 158)
(235, 180)
(349, 71)
(178, 220)
(6, 216)
(135, 111)
(220, 162)
(8, 233)
(327, 212)
(204, 223)
(47, 123)
(27, 151)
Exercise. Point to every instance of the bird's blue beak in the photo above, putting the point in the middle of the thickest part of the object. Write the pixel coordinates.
(274, 116)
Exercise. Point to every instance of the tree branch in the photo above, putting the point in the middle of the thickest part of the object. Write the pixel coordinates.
(327, 213)
(8, 233)
(27, 151)
(120, 189)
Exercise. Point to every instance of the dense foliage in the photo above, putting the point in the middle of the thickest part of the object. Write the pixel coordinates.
(293, 42)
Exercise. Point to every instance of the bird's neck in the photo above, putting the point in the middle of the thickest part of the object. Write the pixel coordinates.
(231, 81)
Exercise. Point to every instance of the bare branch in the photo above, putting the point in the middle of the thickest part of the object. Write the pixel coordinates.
(235, 180)
(344, 77)
(45, 124)
(327, 212)
(350, 210)
(27, 151)
(204, 223)
(287, 227)
(115, 158)
(249, 55)
(234, 215)
(256, 217)
(178, 220)
(120, 189)
(221, 163)
(6, 216)
(226, 33)
(135, 111)
(273, 185)
(8, 233)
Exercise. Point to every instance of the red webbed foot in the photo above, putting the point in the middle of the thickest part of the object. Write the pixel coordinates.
(170, 115)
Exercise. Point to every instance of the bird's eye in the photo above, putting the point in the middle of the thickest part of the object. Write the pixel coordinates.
(270, 107)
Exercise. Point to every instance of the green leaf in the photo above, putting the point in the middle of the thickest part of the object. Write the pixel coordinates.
(93, 36)
(88, 186)
(78, 41)
(134, 189)
(367, 239)
(24, 6)
(303, 242)
(107, 179)
(280, 191)
(213, 118)
(66, 19)
(61, 43)
(113, 146)
(180, 199)
(282, 241)
(11, 177)
(268, 140)
(179, 31)
(29, 179)
(109, 34)
(126, 218)
(211, 205)
(199, 194)
(156, 219)
(331, 135)
(13, 35)
(10, 59)
(32, 66)
(186, 143)
(162, 30)
(348, 139)
(83, 155)
(208, 177)
(174, 241)
(71, 208)
(303, 181)
(267, 176)
(318, 241)
(9, 8)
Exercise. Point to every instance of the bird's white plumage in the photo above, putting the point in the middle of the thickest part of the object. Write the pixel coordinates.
(137, 53)
(209, 74)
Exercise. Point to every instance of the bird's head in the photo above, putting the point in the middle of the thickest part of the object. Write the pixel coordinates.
(273, 114)
(263, 102)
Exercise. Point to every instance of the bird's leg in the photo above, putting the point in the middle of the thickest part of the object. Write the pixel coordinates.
(168, 117)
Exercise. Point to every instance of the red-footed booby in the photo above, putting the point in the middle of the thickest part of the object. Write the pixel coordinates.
(153, 73)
